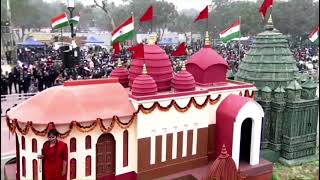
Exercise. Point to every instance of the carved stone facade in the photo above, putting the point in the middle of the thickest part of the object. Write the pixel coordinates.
(291, 110)
(290, 124)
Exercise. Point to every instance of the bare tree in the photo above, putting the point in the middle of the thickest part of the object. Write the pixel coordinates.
(104, 7)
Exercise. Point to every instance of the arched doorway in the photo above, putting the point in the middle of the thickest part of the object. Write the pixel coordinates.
(105, 157)
(245, 140)
(18, 158)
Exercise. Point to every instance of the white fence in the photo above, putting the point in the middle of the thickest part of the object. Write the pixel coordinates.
(8, 101)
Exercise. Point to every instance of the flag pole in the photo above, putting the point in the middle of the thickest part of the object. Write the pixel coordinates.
(61, 36)
(151, 26)
(239, 39)
(135, 34)
(266, 19)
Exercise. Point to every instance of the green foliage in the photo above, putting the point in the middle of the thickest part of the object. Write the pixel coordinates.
(306, 171)
(275, 177)
(222, 18)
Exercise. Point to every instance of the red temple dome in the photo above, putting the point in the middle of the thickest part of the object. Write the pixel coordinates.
(158, 64)
(122, 74)
(207, 66)
(183, 81)
(144, 84)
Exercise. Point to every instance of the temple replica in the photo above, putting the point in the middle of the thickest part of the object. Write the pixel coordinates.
(148, 123)
(287, 97)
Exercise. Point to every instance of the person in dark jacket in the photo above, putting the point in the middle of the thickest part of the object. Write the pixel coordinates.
(16, 78)
(11, 81)
(4, 85)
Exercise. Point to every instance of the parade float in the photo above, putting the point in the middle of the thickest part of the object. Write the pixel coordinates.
(152, 123)
(288, 98)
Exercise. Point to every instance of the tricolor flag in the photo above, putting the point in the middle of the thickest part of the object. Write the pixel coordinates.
(124, 32)
(60, 21)
(231, 33)
(75, 20)
(314, 35)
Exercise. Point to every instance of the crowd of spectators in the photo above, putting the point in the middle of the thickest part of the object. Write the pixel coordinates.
(38, 69)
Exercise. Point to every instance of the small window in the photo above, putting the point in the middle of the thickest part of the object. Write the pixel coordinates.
(23, 143)
(73, 145)
(88, 142)
(125, 148)
(35, 169)
(88, 166)
(73, 168)
(23, 166)
(34, 145)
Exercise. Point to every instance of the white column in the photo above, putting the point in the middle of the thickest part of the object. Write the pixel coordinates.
(185, 141)
(255, 141)
(153, 147)
(236, 142)
(164, 145)
(194, 139)
(174, 143)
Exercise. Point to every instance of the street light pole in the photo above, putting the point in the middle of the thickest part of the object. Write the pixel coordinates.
(10, 48)
(71, 8)
(73, 44)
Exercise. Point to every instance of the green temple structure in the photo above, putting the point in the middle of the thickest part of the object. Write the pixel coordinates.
(288, 98)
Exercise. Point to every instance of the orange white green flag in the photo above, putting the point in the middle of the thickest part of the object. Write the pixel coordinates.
(124, 32)
(60, 21)
(314, 36)
(231, 33)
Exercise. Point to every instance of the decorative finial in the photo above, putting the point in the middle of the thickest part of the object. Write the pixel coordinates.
(144, 69)
(269, 25)
(224, 153)
(119, 63)
(183, 67)
(207, 39)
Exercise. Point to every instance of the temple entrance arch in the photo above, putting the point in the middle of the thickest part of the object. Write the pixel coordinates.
(245, 140)
(239, 118)
(105, 157)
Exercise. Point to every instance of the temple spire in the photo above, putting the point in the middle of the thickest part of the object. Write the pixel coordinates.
(207, 39)
(119, 63)
(144, 69)
(183, 67)
(269, 25)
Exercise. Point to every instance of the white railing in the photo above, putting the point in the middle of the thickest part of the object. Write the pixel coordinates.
(8, 101)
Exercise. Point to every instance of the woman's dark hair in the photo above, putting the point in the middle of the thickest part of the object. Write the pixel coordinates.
(53, 132)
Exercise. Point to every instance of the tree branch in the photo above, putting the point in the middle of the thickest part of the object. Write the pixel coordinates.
(105, 9)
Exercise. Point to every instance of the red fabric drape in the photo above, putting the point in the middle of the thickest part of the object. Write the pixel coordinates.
(138, 51)
(180, 51)
(203, 14)
(265, 6)
(116, 47)
(148, 15)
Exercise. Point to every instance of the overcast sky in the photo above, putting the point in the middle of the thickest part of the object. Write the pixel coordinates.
(180, 4)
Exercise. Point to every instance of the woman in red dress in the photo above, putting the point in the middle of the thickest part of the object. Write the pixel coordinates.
(55, 157)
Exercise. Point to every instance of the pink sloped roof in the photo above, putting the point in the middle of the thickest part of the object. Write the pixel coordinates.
(82, 101)
(206, 57)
